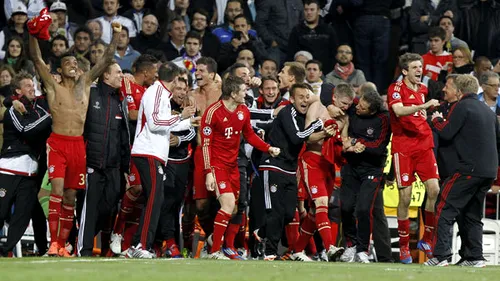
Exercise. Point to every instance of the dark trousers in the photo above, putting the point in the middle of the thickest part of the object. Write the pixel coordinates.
(174, 189)
(38, 219)
(152, 174)
(280, 201)
(21, 192)
(372, 37)
(101, 200)
(461, 197)
(360, 188)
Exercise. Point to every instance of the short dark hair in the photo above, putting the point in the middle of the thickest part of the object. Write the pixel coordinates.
(232, 68)
(209, 62)
(60, 38)
(168, 71)
(85, 29)
(126, 30)
(270, 59)
(268, 78)
(99, 42)
(171, 22)
(202, 12)
(406, 59)
(144, 62)
(195, 35)
(437, 31)
(230, 85)
(20, 76)
(374, 100)
(309, 2)
(296, 86)
(241, 16)
(320, 65)
(446, 17)
(297, 70)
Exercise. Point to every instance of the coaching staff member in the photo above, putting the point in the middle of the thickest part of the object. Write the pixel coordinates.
(473, 128)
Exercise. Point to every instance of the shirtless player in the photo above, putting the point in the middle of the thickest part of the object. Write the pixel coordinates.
(68, 102)
(209, 92)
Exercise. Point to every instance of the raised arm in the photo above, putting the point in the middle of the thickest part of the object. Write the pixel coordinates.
(41, 67)
(107, 58)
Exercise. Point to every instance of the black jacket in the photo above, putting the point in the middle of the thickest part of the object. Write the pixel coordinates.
(26, 133)
(289, 134)
(321, 42)
(375, 7)
(446, 154)
(228, 54)
(211, 45)
(144, 43)
(473, 128)
(180, 153)
(106, 129)
(374, 131)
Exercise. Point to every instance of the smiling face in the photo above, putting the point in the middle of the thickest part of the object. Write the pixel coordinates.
(69, 67)
(344, 54)
(27, 89)
(243, 73)
(414, 72)
(5, 78)
(269, 90)
(300, 100)
(202, 75)
(450, 91)
(179, 93)
(114, 76)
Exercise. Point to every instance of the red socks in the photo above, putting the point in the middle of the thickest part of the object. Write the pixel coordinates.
(404, 233)
(127, 207)
(335, 232)
(66, 223)
(323, 225)
(55, 204)
(292, 231)
(231, 232)
(241, 238)
(220, 226)
(429, 227)
(306, 232)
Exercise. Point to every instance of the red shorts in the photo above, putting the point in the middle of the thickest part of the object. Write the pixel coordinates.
(134, 178)
(301, 187)
(407, 164)
(228, 181)
(316, 175)
(199, 188)
(66, 157)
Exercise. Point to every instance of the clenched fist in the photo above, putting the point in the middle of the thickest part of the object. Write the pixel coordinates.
(117, 27)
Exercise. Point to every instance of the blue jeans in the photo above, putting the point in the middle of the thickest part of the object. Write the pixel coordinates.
(371, 37)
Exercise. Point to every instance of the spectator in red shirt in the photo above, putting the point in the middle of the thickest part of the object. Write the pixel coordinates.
(437, 59)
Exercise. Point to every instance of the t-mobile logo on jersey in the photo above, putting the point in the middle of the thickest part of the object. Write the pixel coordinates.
(229, 132)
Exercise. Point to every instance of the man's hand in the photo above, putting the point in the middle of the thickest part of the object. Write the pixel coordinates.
(174, 140)
(424, 18)
(330, 130)
(196, 121)
(188, 112)
(236, 43)
(274, 44)
(255, 82)
(274, 151)
(436, 115)
(277, 110)
(117, 27)
(210, 182)
(19, 106)
(448, 14)
(359, 147)
(261, 133)
(244, 37)
(127, 182)
(431, 103)
(335, 111)
(129, 77)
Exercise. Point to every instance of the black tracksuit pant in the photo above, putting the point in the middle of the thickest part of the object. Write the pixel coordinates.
(280, 201)
(461, 195)
(101, 200)
(360, 189)
(174, 190)
(152, 174)
(20, 191)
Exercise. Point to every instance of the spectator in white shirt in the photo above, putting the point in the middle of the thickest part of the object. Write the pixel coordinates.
(111, 15)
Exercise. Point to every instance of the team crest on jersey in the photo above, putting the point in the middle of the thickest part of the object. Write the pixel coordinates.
(131, 177)
(51, 169)
(240, 115)
(405, 177)
(314, 189)
(3, 192)
(207, 131)
(396, 96)
(130, 99)
(274, 188)
(97, 105)
(222, 185)
(90, 170)
(369, 131)
(160, 170)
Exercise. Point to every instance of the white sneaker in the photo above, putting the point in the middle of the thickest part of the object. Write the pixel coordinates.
(348, 255)
(334, 253)
(323, 256)
(139, 253)
(270, 257)
(116, 243)
(477, 263)
(301, 256)
(362, 257)
(243, 253)
(218, 256)
(436, 262)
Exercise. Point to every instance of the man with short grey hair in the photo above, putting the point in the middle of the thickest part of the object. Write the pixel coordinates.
(489, 82)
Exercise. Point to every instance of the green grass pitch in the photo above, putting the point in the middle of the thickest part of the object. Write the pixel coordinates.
(206, 270)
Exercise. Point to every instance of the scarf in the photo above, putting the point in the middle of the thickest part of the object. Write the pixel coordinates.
(344, 71)
(11, 61)
(190, 62)
(316, 86)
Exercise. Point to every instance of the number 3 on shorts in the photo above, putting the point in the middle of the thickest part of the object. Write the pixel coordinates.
(82, 179)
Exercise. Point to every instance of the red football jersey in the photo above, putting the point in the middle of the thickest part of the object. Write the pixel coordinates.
(433, 63)
(409, 133)
(133, 92)
(221, 132)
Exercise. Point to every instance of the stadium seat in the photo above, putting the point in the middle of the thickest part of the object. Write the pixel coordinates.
(491, 240)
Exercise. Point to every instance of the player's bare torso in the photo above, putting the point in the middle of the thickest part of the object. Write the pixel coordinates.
(204, 97)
